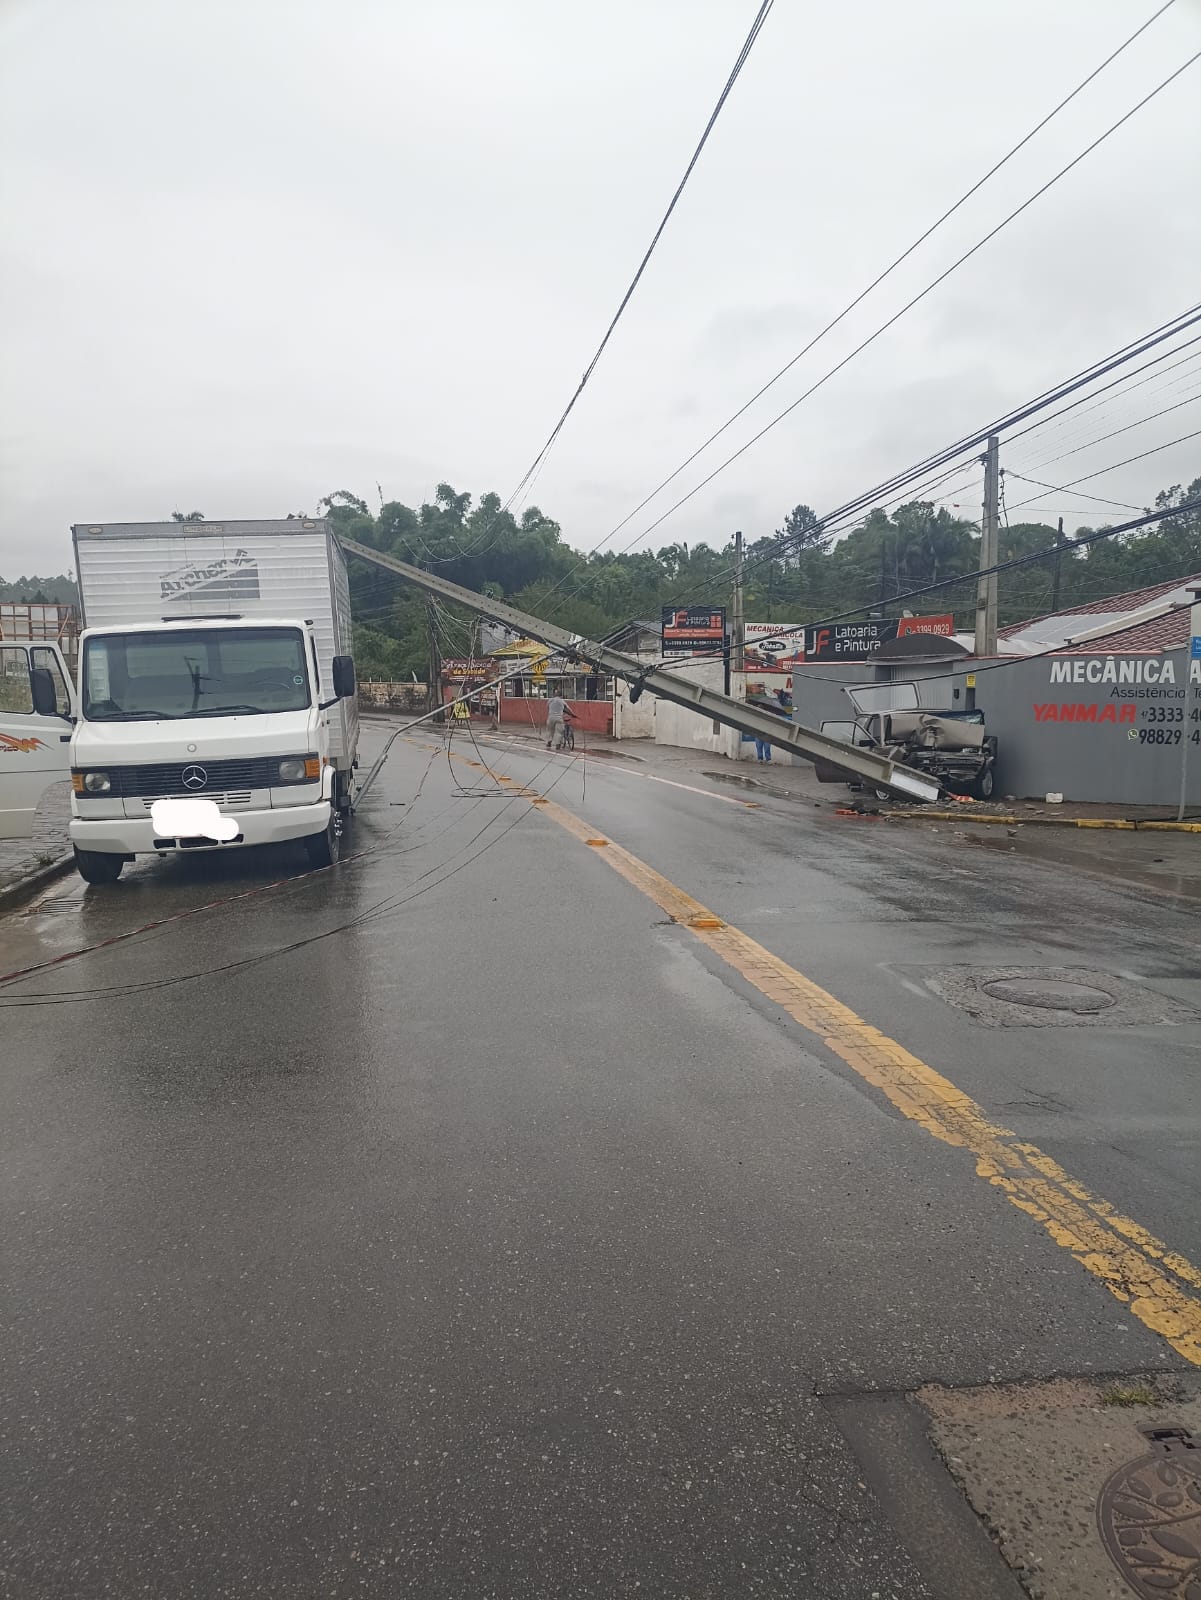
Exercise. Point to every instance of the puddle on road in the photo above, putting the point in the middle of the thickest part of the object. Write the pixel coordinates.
(1164, 863)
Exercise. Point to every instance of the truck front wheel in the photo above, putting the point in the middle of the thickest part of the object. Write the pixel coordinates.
(325, 847)
(96, 866)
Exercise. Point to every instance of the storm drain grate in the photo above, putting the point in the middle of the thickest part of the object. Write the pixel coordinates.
(1051, 997)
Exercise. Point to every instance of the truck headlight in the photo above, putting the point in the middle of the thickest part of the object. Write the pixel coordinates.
(292, 770)
(97, 782)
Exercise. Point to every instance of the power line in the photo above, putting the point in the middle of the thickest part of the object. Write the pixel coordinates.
(1184, 322)
(747, 46)
(1128, 388)
(908, 306)
(1060, 488)
(1088, 445)
(875, 283)
(1101, 471)
(1063, 171)
(1080, 380)
(382, 907)
(1083, 542)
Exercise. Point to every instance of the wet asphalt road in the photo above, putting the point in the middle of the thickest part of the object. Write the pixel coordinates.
(448, 1225)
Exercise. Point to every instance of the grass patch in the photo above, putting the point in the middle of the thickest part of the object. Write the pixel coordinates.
(1136, 1395)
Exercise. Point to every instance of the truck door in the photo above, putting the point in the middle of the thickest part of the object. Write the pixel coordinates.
(36, 711)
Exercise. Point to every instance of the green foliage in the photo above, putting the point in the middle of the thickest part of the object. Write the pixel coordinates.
(797, 575)
(41, 591)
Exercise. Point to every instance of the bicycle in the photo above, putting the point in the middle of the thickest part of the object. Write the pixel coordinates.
(566, 738)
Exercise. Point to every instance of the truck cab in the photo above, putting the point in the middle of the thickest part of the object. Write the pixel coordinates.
(215, 701)
(227, 711)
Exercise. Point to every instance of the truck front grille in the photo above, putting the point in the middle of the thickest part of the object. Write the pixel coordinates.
(231, 798)
(161, 780)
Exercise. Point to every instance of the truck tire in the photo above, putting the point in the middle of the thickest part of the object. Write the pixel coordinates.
(96, 866)
(325, 847)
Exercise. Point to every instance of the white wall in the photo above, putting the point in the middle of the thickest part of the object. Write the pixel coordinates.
(633, 721)
(688, 730)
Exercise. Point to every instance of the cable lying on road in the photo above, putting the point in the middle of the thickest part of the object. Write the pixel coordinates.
(381, 908)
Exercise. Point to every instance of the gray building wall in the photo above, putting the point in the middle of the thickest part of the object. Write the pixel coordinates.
(1104, 727)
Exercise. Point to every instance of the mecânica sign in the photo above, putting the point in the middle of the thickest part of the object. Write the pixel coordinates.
(1147, 695)
(774, 646)
(693, 628)
(856, 641)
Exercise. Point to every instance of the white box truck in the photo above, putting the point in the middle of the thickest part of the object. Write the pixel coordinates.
(215, 704)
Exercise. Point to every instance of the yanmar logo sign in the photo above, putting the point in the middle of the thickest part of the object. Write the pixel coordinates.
(1062, 711)
(8, 743)
(229, 577)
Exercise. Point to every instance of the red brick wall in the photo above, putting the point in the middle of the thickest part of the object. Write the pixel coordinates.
(591, 716)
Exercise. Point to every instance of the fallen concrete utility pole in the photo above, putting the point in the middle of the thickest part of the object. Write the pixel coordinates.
(876, 770)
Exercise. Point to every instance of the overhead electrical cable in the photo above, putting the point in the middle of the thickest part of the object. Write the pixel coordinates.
(883, 328)
(748, 44)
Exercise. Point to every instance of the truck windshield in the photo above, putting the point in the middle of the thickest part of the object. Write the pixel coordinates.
(194, 672)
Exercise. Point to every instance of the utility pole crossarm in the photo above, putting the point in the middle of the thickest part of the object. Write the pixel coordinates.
(874, 769)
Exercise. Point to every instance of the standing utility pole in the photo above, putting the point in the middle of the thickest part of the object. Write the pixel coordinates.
(435, 658)
(737, 620)
(1193, 646)
(1056, 569)
(986, 590)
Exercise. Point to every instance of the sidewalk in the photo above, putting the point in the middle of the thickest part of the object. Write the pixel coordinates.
(21, 857)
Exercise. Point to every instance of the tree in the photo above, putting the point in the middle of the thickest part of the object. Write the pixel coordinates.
(342, 499)
(801, 574)
(188, 516)
(802, 531)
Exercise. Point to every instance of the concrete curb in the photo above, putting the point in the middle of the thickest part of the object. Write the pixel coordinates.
(20, 889)
(1124, 823)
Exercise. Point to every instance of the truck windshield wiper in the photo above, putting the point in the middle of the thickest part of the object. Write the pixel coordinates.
(134, 716)
(216, 711)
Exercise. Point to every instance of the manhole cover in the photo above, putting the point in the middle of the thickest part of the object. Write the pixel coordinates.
(1149, 1516)
(1054, 997)
(1049, 995)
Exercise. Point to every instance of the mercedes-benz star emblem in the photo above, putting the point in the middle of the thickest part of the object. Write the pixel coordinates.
(194, 777)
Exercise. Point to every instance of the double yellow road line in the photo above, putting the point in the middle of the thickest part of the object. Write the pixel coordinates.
(1158, 1285)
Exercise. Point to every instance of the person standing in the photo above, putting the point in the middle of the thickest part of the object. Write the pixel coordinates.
(762, 749)
(555, 709)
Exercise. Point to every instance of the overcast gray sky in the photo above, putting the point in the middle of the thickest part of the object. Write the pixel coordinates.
(256, 250)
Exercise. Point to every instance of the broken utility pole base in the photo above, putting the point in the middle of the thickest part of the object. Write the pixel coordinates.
(865, 765)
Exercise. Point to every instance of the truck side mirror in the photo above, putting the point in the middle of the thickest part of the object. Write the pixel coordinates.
(43, 691)
(344, 684)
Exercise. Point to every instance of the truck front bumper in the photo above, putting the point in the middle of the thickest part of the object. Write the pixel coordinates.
(133, 836)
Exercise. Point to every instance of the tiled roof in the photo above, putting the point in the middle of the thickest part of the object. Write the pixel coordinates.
(1169, 632)
(1133, 600)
